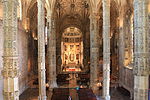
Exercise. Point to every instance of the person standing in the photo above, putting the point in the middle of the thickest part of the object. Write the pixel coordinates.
(69, 98)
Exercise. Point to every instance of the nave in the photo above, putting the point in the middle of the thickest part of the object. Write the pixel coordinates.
(50, 45)
(76, 91)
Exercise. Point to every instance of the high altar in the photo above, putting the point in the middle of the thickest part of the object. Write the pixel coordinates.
(72, 50)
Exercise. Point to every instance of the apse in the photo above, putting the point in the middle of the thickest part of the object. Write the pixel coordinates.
(72, 49)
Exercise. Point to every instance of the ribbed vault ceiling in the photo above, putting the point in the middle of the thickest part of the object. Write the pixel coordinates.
(71, 12)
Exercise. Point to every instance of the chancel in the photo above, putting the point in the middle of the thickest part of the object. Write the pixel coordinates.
(74, 50)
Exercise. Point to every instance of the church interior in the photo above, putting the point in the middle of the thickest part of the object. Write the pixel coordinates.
(74, 49)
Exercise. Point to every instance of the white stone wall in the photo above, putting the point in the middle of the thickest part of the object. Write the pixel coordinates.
(1, 59)
(23, 58)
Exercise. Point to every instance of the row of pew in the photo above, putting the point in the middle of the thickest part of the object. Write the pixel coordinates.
(62, 79)
(83, 79)
(86, 94)
(60, 94)
(63, 94)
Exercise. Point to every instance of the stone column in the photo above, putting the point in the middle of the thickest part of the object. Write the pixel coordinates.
(94, 50)
(141, 50)
(127, 37)
(121, 44)
(52, 53)
(106, 49)
(10, 70)
(58, 49)
(41, 50)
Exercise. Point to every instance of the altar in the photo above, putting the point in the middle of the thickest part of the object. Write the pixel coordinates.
(72, 50)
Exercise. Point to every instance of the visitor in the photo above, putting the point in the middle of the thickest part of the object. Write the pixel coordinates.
(69, 98)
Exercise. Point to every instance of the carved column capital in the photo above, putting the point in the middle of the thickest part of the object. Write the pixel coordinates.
(11, 73)
(6, 1)
(41, 3)
(10, 95)
(53, 23)
(49, 18)
(95, 16)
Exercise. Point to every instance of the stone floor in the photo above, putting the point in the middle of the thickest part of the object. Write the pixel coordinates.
(116, 93)
(119, 94)
(73, 84)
